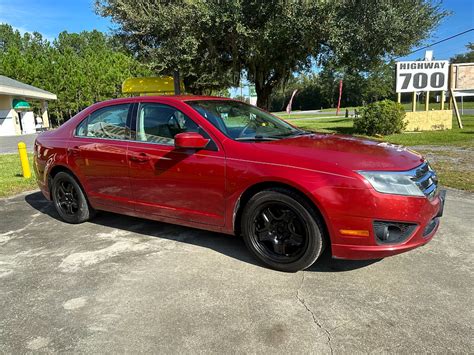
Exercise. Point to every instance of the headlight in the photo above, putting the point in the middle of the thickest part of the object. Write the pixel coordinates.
(397, 183)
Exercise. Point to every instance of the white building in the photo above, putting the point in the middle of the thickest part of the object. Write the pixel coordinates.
(16, 115)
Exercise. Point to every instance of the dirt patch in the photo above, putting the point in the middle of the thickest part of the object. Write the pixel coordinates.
(454, 165)
(461, 158)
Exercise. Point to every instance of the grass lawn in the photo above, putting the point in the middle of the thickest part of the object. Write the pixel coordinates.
(342, 109)
(456, 136)
(329, 125)
(450, 175)
(420, 106)
(452, 162)
(296, 115)
(11, 179)
(330, 109)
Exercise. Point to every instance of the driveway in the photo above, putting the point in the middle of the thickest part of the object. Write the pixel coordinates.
(122, 284)
(9, 144)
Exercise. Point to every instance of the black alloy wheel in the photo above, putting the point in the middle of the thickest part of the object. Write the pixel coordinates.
(69, 199)
(282, 230)
(279, 232)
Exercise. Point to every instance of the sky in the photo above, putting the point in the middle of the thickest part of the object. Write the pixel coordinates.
(461, 19)
(53, 16)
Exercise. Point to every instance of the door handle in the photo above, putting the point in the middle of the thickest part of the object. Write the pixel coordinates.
(140, 158)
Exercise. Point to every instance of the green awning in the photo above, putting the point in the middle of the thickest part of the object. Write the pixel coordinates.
(19, 104)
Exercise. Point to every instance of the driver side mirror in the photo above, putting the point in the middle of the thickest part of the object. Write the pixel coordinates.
(190, 140)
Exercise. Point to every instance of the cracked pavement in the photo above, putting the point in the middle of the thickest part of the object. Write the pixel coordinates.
(121, 284)
(315, 320)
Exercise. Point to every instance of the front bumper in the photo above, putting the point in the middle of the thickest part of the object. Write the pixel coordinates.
(423, 212)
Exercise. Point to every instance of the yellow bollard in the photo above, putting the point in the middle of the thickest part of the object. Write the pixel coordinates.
(25, 164)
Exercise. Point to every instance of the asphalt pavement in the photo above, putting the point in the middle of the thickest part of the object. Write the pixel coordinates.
(126, 285)
(9, 144)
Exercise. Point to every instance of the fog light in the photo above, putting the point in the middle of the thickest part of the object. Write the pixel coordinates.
(387, 232)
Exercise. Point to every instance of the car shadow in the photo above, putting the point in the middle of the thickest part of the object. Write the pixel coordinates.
(228, 245)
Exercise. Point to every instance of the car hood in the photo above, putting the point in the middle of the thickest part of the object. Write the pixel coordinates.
(343, 151)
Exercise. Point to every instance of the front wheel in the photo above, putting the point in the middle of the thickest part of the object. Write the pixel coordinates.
(69, 199)
(282, 230)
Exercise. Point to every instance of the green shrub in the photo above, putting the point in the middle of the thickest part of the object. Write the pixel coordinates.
(382, 117)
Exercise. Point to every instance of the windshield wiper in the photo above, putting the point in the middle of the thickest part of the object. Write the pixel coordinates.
(257, 138)
(290, 134)
(273, 137)
(302, 132)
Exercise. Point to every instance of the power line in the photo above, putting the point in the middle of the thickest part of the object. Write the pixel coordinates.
(435, 43)
(452, 50)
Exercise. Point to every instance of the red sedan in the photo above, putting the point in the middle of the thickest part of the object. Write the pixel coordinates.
(225, 166)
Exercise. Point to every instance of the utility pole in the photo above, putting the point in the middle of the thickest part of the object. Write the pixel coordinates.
(176, 82)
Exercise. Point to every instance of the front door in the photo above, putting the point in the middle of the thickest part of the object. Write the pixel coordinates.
(98, 152)
(183, 184)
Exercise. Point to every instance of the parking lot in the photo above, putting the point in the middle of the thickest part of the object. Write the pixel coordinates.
(122, 284)
(9, 144)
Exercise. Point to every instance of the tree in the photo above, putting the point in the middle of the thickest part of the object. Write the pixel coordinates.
(242, 98)
(467, 57)
(184, 36)
(321, 89)
(213, 42)
(379, 83)
(81, 68)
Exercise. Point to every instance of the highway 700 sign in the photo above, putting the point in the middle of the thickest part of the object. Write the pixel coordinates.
(422, 76)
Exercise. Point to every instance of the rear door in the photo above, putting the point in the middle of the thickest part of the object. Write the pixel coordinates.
(99, 153)
(186, 184)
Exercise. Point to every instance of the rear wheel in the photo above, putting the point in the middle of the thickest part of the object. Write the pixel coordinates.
(282, 230)
(69, 199)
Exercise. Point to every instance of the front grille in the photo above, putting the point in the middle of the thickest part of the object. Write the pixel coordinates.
(425, 178)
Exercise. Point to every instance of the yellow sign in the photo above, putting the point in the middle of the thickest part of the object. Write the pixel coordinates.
(159, 85)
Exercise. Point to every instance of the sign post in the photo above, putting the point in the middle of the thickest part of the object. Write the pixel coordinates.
(461, 84)
(176, 82)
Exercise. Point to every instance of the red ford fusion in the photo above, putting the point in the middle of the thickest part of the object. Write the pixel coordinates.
(225, 166)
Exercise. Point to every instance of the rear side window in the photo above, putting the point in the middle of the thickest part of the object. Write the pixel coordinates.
(108, 122)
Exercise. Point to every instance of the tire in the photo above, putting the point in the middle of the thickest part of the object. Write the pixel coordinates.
(282, 230)
(69, 199)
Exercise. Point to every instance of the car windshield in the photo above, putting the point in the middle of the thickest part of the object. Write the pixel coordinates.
(243, 122)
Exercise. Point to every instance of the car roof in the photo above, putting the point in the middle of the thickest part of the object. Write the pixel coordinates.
(168, 98)
(196, 97)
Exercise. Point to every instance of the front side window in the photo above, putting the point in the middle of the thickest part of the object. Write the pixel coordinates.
(241, 121)
(158, 123)
(107, 122)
